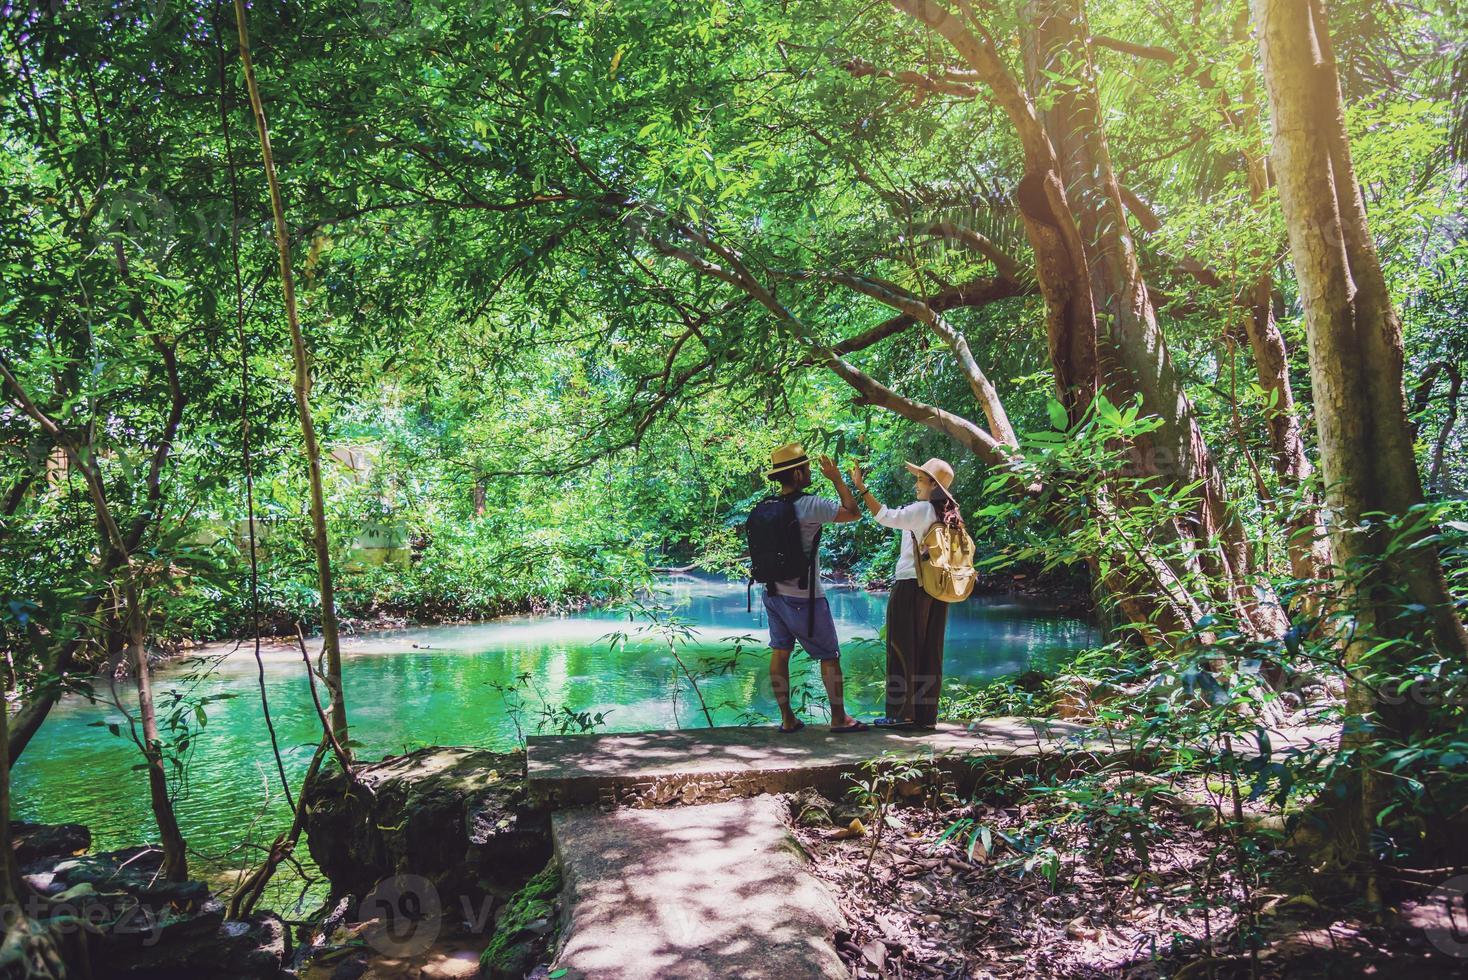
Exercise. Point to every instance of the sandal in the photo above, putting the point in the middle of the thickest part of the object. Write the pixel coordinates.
(791, 731)
(855, 726)
(892, 723)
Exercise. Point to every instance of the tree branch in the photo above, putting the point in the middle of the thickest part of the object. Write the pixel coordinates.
(1004, 263)
(733, 270)
(1139, 209)
(1134, 49)
(926, 84)
(910, 305)
(975, 292)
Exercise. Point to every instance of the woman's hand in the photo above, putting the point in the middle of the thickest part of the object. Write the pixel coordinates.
(857, 480)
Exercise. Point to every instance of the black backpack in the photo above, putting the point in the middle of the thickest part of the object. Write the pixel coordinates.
(776, 553)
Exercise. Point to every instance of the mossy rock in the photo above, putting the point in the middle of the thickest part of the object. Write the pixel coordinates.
(524, 928)
(456, 816)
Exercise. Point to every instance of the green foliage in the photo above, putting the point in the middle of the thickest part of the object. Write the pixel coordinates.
(877, 786)
(538, 406)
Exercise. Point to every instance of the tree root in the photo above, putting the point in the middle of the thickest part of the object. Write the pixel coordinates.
(33, 949)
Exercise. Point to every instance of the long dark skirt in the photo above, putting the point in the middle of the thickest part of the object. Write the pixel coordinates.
(916, 623)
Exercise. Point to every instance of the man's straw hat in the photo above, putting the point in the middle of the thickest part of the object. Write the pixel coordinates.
(787, 457)
(935, 469)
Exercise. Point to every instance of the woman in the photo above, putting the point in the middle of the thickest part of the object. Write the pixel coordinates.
(915, 620)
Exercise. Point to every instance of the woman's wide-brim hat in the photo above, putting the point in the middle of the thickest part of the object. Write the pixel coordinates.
(934, 469)
(788, 457)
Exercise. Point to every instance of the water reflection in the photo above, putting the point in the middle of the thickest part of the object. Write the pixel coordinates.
(409, 688)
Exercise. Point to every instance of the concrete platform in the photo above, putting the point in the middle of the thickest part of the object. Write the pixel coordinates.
(694, 893)
(567, 770)
(701, 765)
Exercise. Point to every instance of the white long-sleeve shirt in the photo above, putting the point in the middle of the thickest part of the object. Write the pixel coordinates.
(916, 518)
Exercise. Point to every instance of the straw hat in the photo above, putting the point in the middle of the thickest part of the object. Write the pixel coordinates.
(934, 469)
(787, 457)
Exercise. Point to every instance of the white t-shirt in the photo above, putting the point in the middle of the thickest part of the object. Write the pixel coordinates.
(916, 518)
(812, 512)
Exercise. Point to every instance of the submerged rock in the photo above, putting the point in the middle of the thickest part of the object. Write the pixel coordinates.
(457, 817)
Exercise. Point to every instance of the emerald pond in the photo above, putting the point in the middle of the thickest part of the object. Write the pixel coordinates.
(456, 685)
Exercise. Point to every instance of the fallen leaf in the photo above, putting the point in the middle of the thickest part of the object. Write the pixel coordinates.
(853, 829)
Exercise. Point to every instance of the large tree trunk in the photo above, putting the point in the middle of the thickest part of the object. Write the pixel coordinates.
(1134, 358)
(1355, 346)
(1060, 261)
(1088, 272)
(1308, 547)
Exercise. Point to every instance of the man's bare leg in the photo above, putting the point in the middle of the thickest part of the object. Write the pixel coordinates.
(780, 685)
(835, 693)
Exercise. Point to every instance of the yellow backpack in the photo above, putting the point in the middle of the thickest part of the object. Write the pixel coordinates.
(945, 562)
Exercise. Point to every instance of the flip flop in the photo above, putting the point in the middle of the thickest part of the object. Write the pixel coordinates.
(790, 731)
(891, 723)
(855, 726)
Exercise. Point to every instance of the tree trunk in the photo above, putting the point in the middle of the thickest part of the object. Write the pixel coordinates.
(1087, 271)
(175, 853)
(1355, 347)
(29, 947)
(117, 566)
(10, 880)
(1308, 546)
(302, 385)
(1135, 359)
(1355, 337)
(1060, 262)
(481, 491)
(28, 718)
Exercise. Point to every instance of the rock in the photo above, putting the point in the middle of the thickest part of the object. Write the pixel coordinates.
(353, 967)
(457, 965)
(123, 894)
(1078, 697)
(520, 932)
(1032, 681)
(809, 808)
(457, 817)
(132, 870)
(253, 949)
(152, 929)
(260, 943)
(33, 842)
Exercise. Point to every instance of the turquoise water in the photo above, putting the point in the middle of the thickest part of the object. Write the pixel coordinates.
(437, 685)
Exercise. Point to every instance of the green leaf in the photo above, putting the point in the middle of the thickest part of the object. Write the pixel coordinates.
(1058, 417)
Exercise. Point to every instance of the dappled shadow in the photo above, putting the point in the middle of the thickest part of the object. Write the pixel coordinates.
(692, 892)
(717, 750)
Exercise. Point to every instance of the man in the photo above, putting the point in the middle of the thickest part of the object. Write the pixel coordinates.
(797, 607)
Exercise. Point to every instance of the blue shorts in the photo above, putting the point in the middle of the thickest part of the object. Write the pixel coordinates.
(790, 620)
